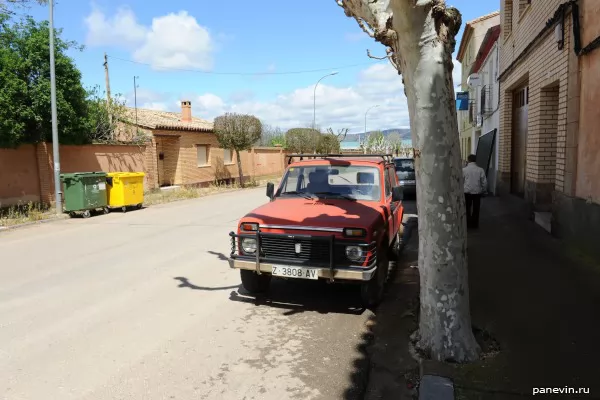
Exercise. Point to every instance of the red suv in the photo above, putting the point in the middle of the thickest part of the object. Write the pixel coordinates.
(334, 217)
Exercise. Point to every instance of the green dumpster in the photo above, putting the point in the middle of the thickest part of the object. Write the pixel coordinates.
(84, 192)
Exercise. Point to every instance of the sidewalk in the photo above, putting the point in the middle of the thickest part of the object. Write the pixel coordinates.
(540, 305)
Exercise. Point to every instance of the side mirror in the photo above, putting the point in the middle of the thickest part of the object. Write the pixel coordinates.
(270, 190)
(397, 193)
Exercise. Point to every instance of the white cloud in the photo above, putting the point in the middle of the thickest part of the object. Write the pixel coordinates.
(120, 30)
(176, 41)
(336, 107)
(172, 41)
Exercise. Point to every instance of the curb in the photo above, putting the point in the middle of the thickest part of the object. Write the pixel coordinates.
(26, 224)
(9, 228)
(434, 387)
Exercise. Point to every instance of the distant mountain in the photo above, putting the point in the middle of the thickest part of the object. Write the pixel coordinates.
(404, 134)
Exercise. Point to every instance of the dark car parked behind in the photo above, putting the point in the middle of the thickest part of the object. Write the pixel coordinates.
(405, 169)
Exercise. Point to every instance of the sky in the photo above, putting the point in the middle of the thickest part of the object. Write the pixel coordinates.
(258, 57)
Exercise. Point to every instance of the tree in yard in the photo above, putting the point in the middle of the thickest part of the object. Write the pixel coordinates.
(377, 143)
(302, 140)
(25, 81)
(419, 36)
(395, 140)
(328, 144)
(237, 132)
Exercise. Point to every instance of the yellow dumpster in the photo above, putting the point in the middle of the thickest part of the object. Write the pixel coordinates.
(125, 189)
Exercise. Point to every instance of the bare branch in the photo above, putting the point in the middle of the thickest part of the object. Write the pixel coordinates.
(376, 58)
(365, 27)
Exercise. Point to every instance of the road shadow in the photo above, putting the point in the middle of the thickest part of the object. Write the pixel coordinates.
(298, 296)
(185, 283)
(385, 368)
(220, 256)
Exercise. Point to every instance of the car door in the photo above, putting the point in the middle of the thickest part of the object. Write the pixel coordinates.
(391, 208)
(395, 207)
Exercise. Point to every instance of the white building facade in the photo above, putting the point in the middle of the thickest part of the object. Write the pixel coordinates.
(485, 107)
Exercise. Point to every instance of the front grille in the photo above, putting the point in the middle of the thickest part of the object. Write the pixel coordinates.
(285, 248)
(314, 250)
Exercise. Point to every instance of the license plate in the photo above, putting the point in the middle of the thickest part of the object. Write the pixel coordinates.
(295, 272)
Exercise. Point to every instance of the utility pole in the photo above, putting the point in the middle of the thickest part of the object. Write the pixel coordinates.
(315, 99)
(108, 98)
(107, 78)
(55, 145)
(135, 86)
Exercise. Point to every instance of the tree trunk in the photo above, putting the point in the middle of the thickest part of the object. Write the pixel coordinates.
(239, 165)
(421, 39)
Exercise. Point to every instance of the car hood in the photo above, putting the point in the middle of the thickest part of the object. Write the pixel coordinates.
(317, 213)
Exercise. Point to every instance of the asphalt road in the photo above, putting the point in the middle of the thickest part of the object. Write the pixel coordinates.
(143, 305)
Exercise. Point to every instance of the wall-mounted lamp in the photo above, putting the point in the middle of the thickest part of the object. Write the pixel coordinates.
(559, 34)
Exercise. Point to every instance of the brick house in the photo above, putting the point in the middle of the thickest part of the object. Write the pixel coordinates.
(181, 149)
(474, 33)
(549, 102)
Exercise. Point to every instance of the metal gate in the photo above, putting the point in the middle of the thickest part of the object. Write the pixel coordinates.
(519, 141)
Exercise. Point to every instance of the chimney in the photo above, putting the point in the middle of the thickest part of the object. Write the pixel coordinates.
(186, 111)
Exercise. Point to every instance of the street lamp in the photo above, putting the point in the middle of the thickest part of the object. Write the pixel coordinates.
(55, 145)
(315, 98)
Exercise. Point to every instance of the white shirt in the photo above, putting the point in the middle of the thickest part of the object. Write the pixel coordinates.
(475, 180)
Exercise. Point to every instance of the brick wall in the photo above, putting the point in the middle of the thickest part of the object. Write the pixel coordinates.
(545, 70)
(27, 173)
(19, 177)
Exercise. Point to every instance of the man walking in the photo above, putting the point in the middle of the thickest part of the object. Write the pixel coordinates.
(475, 186)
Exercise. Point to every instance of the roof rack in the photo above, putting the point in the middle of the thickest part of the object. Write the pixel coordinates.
(387, 158)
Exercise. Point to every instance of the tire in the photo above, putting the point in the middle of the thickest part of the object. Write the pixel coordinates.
(253, 282)
(105, 210)
(371, 292)
(139, 206)
(86, 214)
(124, 209)
(72, 214)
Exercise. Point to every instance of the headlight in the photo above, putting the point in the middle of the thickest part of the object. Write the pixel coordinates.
(354, 253)
(249, 245)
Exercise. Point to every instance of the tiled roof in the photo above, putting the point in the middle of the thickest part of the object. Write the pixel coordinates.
(483, 17)
(153, 119)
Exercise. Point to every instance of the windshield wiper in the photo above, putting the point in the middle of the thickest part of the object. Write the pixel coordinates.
(343, 196)
(301, 194)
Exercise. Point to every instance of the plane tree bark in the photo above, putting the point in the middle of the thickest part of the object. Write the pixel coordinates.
(419, 36)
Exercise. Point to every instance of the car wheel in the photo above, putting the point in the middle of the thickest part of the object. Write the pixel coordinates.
(253, 282)
(371, 292)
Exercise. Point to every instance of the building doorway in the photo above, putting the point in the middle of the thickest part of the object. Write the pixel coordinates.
(167, 158)
(519, 141)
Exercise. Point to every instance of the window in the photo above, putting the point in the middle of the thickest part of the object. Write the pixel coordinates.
(202, 155)
(228, 156)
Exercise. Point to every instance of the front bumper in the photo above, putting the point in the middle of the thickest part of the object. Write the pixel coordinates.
(274, 250)
(353, 274)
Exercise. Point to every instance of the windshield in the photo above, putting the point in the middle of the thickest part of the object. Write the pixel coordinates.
(350, 182)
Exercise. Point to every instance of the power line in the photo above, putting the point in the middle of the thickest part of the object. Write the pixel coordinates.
(245, 73)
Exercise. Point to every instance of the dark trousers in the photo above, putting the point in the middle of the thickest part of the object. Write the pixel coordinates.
(473, 202)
